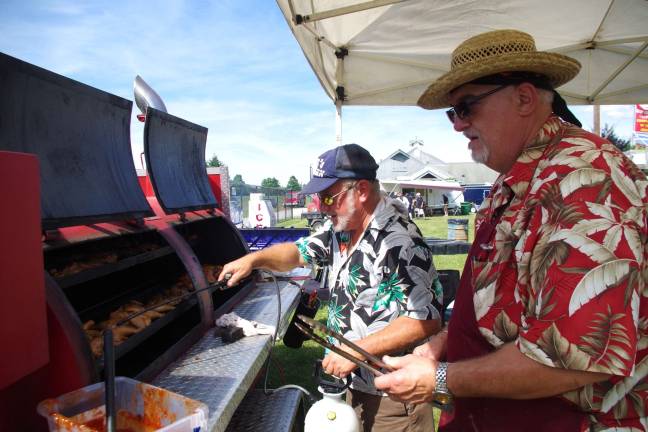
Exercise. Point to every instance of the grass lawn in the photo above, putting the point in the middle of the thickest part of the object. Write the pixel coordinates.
(293, 223)
(295, 366)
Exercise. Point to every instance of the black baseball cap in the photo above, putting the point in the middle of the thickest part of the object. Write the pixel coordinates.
(349, 161)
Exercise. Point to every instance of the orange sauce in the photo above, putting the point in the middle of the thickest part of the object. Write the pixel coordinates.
(126, 422)
(156, 414)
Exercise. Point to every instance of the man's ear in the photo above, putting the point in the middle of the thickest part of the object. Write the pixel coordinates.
(527, 98)
(364, 190)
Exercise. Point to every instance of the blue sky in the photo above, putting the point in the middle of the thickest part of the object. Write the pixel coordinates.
(232, 66)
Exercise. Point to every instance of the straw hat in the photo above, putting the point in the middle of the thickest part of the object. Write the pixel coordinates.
(496, 52)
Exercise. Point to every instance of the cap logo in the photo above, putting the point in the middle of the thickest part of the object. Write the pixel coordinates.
(319, 171)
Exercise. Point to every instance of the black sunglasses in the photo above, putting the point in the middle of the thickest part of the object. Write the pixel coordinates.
(464, 108)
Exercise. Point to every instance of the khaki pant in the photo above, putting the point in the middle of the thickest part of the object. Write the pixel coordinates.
(381, 414)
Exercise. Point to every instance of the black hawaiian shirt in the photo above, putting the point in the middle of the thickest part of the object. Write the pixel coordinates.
(388, 274)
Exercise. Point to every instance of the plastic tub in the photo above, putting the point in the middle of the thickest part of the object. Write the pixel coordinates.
(154, 407)
(458, 229)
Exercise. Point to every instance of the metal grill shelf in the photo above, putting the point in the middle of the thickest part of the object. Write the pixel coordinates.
(106, 269)
(220, 374)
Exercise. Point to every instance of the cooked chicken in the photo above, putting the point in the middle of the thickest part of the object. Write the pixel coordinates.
(96, 345)
(120, 334)
(184, 285)
(88, 325)
(78, 266)
(164, 308)
(141, 321)
(212, 272)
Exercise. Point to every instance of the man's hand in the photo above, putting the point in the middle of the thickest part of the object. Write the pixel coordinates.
(413, 380)
(337, 365)
(433, 349)
(239, 269)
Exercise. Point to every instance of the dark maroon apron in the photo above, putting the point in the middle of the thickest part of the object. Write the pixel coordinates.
(465, 342)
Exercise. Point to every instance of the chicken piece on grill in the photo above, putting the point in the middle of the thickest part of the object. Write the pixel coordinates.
(92, 333)
(184, 283)
(78, 266)
(164, 308)
(176, 291)
(212, 272)
(120, 334)
(96, 345)
(115, 316)
(141, 321)
(153, 314)
(145, 319)
(157, 298)
(132, 307)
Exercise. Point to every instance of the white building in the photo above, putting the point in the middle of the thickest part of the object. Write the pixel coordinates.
(416, 171)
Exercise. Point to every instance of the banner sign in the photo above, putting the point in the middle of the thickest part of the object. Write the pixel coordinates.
(641, 118)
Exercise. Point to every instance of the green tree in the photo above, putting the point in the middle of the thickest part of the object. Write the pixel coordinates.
(237, 180)
(293, 184)
(608, 133)
(238, 185)
(270, 182)
(214, 162)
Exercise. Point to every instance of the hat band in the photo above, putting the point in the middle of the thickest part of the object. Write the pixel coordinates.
(538, 80)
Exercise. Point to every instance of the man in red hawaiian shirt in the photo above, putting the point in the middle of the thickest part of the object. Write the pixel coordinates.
(549, 329)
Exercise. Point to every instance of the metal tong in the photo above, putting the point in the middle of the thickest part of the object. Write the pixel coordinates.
(373, 364)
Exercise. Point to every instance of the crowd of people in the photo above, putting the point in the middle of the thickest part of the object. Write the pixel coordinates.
(415, 204)
(549, 327)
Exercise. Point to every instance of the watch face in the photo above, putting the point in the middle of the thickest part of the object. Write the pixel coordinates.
(442, 398)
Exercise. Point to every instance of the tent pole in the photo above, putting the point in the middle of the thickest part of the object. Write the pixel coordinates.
(317, 16)
(597, 119)
(338, 122)
(340, 53)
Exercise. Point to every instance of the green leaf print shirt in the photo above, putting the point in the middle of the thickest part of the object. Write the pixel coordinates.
(388, 274)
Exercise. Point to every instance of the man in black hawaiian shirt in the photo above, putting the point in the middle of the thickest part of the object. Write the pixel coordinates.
(381, 273)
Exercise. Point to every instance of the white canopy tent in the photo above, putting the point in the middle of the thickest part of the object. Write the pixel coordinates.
(386, 52)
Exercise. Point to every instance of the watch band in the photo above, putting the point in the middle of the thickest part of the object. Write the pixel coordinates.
(442, 396)
(442, 377)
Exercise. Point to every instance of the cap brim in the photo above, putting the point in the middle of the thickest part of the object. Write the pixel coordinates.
(318, 184)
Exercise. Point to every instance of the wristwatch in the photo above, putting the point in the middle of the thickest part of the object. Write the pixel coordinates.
(442, 395)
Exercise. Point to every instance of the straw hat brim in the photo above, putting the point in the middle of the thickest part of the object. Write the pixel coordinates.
(558, 68)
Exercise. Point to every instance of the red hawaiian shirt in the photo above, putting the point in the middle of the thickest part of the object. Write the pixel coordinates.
(564, 275)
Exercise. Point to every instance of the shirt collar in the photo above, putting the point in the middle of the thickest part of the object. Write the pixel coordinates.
(521, 173)
(386, 212)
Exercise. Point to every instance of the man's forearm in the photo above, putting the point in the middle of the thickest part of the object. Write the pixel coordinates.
(280, 257)
(401, 334)
(507, 373)
(435, 348)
